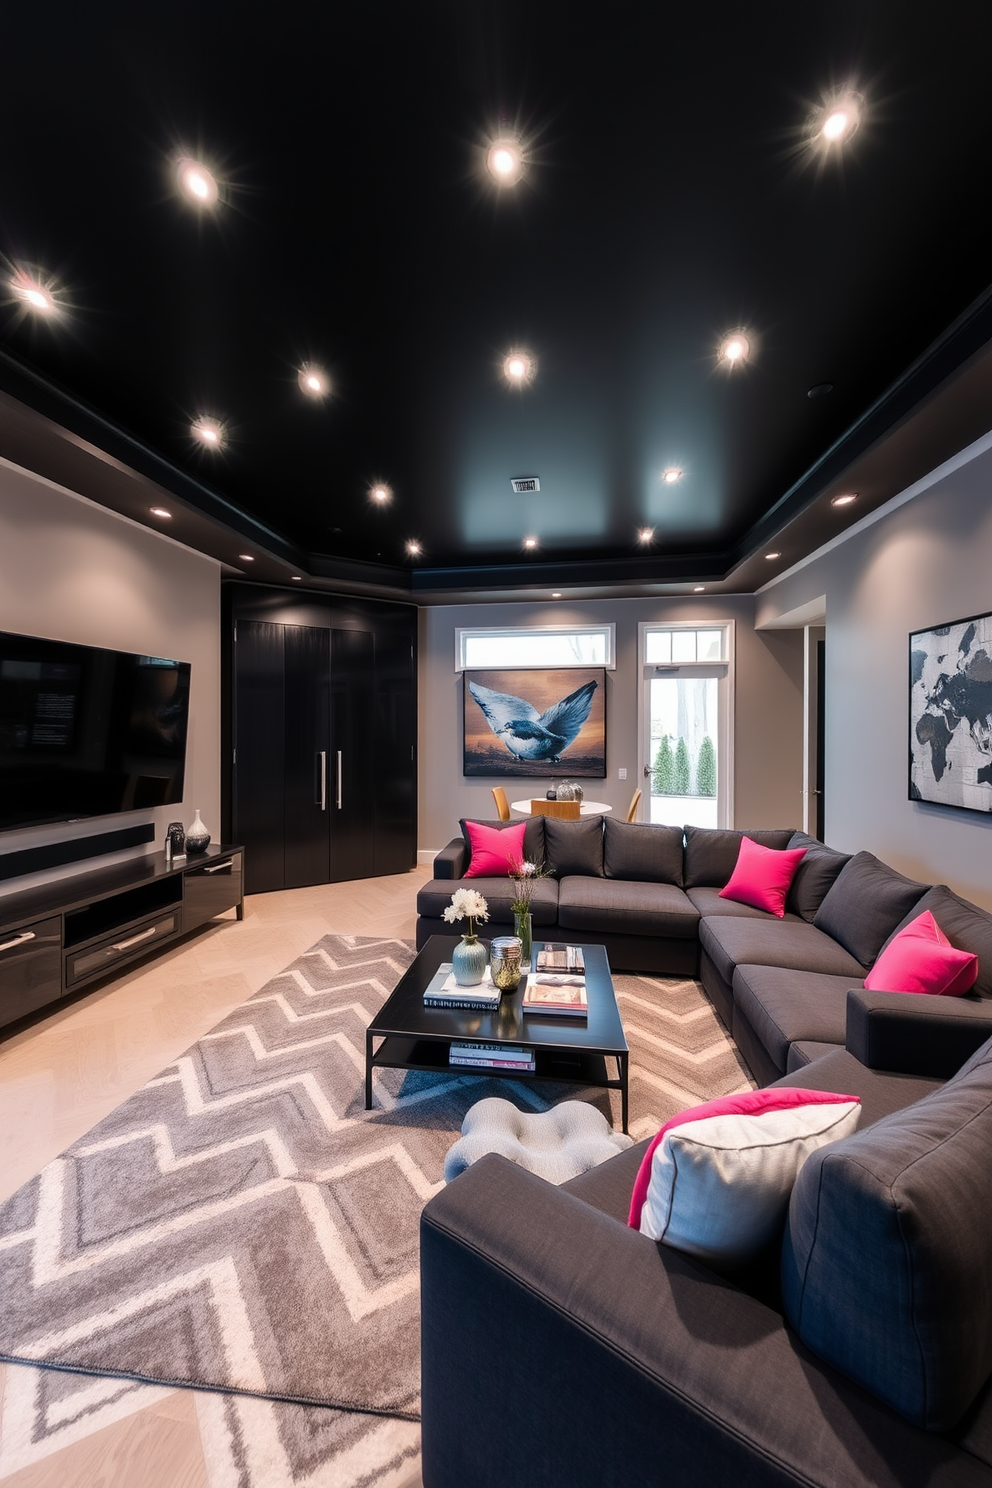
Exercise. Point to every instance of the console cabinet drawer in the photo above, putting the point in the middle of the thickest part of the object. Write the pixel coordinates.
(99, 960)
(210, 889)
(30, 968)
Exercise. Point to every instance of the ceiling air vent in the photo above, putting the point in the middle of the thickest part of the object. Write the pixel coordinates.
(522, 483)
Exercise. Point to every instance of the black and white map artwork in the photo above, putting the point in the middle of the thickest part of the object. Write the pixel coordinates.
(950, 714)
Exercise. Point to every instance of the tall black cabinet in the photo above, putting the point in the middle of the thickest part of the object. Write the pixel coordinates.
(320, 735)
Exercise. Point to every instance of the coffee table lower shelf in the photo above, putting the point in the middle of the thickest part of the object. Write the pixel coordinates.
(571, 1066)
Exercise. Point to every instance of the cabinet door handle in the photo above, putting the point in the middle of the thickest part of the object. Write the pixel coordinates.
(24, 936)
(123, 945)
(322, 779)
(339, 779)
(218, 867)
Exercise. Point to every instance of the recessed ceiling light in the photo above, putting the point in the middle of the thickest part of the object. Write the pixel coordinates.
(556, 594)
(246, 558)
(380, 493)
(671, 475)
(209, 432)
(838, 119)
(34, 293)
(196, 183)
(846, 499)
(519, 367)
(735, 349)
(645, 534)
(413, 548)
(699, 589)
(530, 542)
(160, 511)
(297, 578)
(313, 381)
(505, 160)
(769, 556)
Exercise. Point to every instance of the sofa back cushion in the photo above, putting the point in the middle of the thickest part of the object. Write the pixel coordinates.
(648, 854)
(711, 853)
(534, 846)
(574, 846)
(814, 876)
(967, 928)
(886, 1264)
(866, 903)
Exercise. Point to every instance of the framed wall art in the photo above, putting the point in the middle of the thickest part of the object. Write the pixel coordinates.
(536, 723)
(950, 714)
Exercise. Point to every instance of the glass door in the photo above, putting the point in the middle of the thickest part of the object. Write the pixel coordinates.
(685, 725)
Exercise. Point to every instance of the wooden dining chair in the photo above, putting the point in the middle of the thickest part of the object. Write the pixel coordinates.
(635, 801)
(567, 810)
(502, 805)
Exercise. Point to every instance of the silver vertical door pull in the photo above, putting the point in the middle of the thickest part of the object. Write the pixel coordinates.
(322, 778)
(339, 779)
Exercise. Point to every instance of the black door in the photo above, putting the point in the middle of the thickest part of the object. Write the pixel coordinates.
(307, 744)
(259, 806)
(352, 761)
(395, 752)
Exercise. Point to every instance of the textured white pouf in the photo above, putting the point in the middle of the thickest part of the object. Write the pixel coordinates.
(556, 1145)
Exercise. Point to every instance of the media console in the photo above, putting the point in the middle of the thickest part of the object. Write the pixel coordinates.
(60, 937)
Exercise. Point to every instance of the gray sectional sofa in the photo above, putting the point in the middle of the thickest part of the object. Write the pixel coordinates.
(559, 1346)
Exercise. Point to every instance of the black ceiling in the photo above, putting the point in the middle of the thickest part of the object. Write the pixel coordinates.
(670, 197)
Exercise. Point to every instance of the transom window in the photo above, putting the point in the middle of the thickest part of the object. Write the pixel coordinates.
(536, 646)
(666, 645)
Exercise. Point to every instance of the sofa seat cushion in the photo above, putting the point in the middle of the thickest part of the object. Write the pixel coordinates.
(708, 902)
(731, 942)
(627, 908)
(886, 1265)
(785, 1006)
(805, 1052)
(880, 1091)
(435, 896)
(866, 902)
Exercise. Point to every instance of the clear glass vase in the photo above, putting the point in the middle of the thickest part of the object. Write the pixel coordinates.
(468, 961)
(523, 926)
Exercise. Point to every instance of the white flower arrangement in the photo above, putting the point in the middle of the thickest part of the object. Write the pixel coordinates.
(526, 877)
(466, 904)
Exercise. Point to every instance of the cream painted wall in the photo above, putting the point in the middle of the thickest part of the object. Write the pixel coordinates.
(74, 571)
(768, 744)
(925, 561)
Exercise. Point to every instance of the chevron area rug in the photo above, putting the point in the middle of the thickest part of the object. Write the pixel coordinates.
(243, 1226)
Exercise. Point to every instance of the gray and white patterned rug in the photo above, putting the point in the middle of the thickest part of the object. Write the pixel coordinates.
(243, 1226)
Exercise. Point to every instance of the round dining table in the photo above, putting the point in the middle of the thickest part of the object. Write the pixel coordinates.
(586, 808)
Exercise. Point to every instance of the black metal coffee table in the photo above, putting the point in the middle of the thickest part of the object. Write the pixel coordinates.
(577, 1051)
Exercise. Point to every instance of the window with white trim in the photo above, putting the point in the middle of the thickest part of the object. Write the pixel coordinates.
(686, 725)
(536, 646)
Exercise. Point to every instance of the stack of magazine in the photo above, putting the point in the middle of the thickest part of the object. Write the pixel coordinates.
(442, 991)
(558, 984)
(493, 1056)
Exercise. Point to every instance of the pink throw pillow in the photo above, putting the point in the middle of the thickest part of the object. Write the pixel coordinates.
(921, 959)
(716, 1180)
(763, 876)
(495, 850)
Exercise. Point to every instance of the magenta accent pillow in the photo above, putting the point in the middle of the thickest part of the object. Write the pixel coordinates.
(495, 850)
(921, 959)
(763, 876)
(748, 1103)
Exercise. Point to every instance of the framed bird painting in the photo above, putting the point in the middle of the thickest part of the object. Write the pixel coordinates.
(536, 723)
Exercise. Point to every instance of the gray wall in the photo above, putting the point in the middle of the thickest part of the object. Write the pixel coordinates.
(768, 744)
(926, 561)
(73, 571)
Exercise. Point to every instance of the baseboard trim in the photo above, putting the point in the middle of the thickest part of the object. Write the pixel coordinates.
(427, 854)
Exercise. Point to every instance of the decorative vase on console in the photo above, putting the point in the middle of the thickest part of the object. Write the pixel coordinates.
(197, 836)
(469, 958)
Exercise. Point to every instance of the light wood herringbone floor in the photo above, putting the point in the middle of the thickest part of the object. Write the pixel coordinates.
(61, 1076)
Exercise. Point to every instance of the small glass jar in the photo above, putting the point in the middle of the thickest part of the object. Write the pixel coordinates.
(505, 962)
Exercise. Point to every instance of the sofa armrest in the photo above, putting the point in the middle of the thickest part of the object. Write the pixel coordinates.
(559, 1346)
(915, 1034)
(452, 860)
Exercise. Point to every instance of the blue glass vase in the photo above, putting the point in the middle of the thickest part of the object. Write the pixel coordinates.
(468, 961)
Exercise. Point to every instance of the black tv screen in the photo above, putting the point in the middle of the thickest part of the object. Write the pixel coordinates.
(87, 732)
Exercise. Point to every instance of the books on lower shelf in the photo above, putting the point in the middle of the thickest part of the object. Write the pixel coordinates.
(443, 991)
(492, 1056)
(558, 993)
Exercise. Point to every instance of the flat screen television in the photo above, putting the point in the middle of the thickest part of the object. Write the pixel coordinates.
(87, 732)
